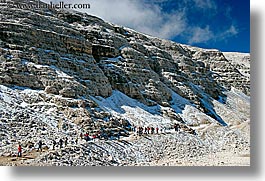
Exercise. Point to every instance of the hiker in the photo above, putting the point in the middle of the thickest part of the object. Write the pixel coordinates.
(81, 136)
(40, 145)
(76, 141)
(157, 130)
(175, 127)
(61, 143)
(193, 132)
(148, 130)
(152, 130)
(19, 154)
(53, 144)
(94, 136)
(145, 130)
(140, 131)
(87, 137)
(65, 141)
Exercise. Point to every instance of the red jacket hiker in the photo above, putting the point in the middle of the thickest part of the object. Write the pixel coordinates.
(19, 151)
(19, 148)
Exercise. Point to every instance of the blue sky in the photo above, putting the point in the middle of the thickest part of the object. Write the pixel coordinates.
(218, 24)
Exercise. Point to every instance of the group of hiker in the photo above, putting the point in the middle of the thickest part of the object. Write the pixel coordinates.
(87, 137)
(145, 130)
(64, 142)
(40, 145)
(60, 143)
(140, 130)
(176, 127)
(101, 134)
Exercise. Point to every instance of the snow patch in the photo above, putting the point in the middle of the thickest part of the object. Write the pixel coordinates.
(178, 102)
(135, 112)
(138, 113)
(60, 73)
(5, 97)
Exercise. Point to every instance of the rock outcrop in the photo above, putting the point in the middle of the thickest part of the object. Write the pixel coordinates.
(64, 72)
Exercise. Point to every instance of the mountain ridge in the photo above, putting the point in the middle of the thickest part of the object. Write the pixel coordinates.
(64, 72)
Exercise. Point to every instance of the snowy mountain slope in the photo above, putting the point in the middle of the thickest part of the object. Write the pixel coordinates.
(64, 73)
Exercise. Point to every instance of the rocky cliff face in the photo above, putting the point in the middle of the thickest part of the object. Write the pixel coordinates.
(62, 72)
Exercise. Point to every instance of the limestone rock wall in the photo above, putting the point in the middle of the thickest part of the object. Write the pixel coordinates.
(76, 55)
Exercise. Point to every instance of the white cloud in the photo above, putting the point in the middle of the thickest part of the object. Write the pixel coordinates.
(231, 31)
(136, 14)
(205, 4)
(201, 35)
(148, 17)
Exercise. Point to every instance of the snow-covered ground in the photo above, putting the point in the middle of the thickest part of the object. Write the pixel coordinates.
(154, 149)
